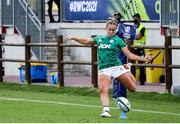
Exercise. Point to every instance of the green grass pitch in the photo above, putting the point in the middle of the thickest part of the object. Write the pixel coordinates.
(48, 104)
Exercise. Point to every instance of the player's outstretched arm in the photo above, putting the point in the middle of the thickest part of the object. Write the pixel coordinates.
(132, 56)
(81, 40)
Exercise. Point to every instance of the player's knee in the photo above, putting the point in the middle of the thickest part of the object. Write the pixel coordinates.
(103, 90)
(132, 88)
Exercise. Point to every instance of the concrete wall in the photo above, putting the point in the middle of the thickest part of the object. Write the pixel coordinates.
(11, 68)
(175, 61)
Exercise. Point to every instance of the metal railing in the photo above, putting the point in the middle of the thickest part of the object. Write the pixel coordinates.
(18, 13)
(28, 24)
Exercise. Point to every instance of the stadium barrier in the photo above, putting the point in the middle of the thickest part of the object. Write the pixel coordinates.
(167, 65)
(59, 45)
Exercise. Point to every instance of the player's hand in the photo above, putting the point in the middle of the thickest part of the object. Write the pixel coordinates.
(148, 58)
(125, 66)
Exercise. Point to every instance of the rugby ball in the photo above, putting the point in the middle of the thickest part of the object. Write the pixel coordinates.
(123, 104)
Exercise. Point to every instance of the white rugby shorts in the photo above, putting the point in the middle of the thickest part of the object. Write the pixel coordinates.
(114, 71)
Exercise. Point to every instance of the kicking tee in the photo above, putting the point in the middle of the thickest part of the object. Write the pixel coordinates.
(108, 50)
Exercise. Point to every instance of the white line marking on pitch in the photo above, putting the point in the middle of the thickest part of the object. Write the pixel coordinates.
(82, 105)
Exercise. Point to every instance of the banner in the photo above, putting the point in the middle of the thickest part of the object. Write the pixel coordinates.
(102, 9)
(86, 10)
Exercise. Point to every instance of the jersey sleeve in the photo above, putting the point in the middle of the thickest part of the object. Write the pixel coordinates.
(121, 43)
(95, 39)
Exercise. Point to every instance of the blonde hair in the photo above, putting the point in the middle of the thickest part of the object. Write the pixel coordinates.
(111, 21)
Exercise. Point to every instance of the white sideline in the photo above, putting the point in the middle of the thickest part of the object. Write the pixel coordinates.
(82, 105)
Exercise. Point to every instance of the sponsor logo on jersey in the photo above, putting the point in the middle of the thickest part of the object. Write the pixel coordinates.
(104, 46)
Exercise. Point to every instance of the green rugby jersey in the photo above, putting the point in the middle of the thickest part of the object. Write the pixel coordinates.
(108, 50)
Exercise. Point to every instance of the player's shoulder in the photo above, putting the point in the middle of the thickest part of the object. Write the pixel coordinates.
(99, 36)
(117, 38)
